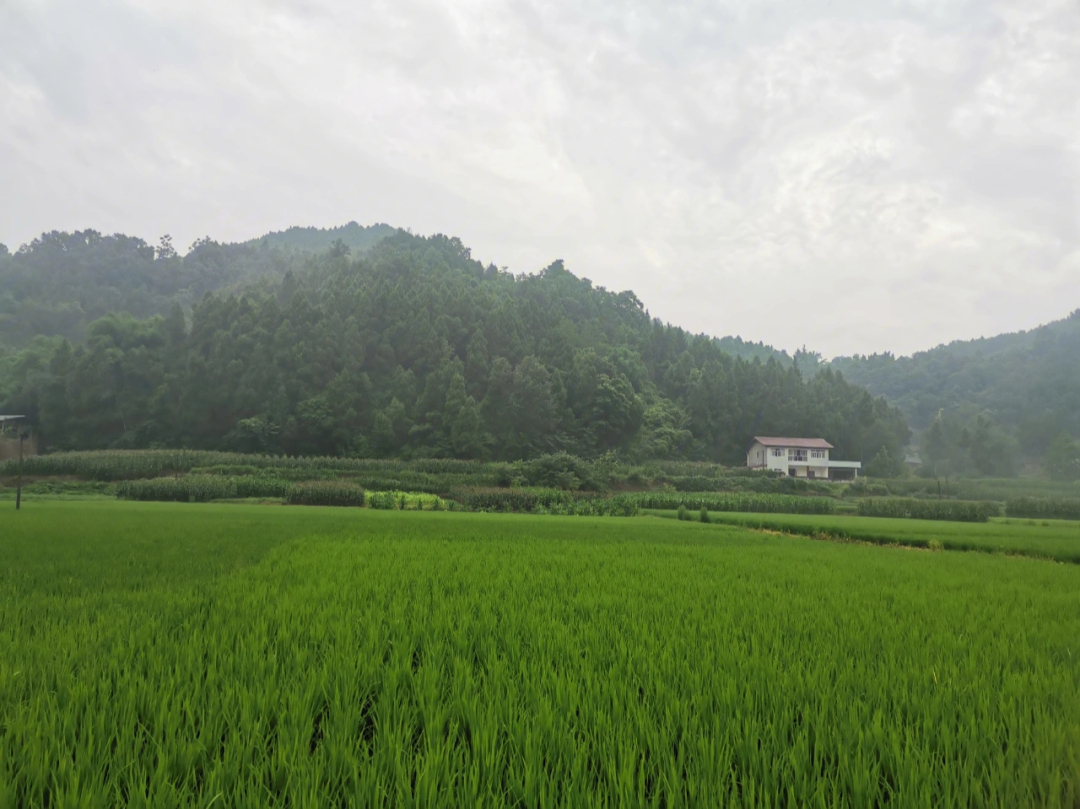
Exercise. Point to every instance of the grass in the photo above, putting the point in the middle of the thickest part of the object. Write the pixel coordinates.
(1048, 539)
(186, 655)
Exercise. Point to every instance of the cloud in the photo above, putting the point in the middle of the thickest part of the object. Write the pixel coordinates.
(848, 176)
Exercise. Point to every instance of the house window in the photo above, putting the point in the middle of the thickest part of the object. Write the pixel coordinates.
(817, 453)
(796, 454)
(778, 453)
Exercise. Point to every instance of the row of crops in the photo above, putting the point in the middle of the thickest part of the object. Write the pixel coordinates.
(435, 476)
(908, 508)
(205, 488)
(202, 487)
(1043, 508)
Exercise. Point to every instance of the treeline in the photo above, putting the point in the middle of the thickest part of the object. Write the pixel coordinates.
(414, 349)
(987, 405)
(59, 283)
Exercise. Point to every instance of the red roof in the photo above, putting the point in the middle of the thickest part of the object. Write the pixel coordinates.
(797, 443)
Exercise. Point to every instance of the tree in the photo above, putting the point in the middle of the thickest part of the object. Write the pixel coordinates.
(1062, 458)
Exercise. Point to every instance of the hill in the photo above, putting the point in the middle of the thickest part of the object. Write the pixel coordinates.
(356, 237)
(410, 349)
(1024, 386)
(61, 282)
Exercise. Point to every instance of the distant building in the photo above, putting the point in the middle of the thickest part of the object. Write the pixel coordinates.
(799, 458)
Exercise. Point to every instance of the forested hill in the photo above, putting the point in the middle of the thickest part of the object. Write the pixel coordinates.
(61, 282)
(414, 348)
(355, 237)
(1024, 386)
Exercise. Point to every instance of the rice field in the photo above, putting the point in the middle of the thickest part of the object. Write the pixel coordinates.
(165, 654)
(1057, 540)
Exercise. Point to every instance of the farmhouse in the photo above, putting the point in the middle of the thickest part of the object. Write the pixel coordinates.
(799, 458)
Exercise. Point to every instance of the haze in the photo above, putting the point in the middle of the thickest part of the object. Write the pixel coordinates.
(847, 176)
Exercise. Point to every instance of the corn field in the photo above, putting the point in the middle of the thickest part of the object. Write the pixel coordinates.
(764, 503)
(1043, 508)
(325, 493)
(950, 510)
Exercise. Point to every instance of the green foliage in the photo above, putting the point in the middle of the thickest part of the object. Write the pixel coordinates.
(406, 501)
(325, 493)
(1041, 508)
(204, 488)
(884, 465)
(208, 657)
(544, 501)
(412, 349)
(1062, 458)
(683, 514)
(561, 471)
(977, 446)
(734, 502)
(1029, 381)
(703, 516)
(954, 510)
(352, 237)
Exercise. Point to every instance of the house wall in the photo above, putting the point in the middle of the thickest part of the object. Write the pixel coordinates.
(761, 456)
(756, 456)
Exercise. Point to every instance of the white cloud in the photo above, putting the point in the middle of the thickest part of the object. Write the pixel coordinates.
(907, 173)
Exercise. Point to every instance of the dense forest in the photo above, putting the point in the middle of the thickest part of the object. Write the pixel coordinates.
(984, 406)
(61, 282)
(402, 347)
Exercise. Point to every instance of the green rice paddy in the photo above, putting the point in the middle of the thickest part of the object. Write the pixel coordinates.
(1057, 540)
(233, 655)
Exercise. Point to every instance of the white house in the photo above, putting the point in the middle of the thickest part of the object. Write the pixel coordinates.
(799, 458)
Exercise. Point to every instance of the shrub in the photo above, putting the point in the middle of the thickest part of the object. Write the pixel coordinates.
(560, 470)
(682, 512)
(704, 517)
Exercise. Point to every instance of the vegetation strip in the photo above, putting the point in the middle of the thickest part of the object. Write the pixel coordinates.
(1058, 541)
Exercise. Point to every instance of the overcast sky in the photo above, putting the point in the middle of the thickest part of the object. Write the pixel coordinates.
(852, 175)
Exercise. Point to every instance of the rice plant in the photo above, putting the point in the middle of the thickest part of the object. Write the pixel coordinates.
(162, 655)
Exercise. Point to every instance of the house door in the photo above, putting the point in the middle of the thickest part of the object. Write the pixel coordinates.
(791, 471)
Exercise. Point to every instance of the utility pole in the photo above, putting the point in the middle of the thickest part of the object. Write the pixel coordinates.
(23, 435)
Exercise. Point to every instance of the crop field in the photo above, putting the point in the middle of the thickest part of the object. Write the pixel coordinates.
(1058, 540)
(174, 654)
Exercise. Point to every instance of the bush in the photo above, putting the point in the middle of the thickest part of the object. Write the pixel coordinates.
(953, 510)
(704, 517)
(682, 513)
(545, 501)
(560, 470)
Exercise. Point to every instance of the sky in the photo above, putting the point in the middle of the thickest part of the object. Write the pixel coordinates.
(844, 175)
